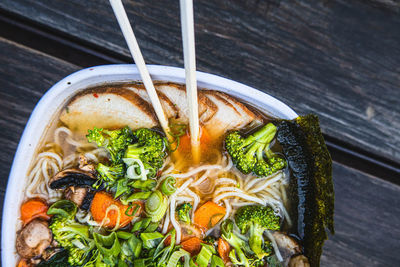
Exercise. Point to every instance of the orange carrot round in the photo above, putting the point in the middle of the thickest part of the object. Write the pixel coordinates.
(185, 144)
(23, 263)
(208, 215)
(102, 201)
(34, 208)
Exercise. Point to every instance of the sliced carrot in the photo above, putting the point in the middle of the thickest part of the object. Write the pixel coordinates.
(184, 142)
(192, 245)
(102, 201)
(23, 263)
(208, 215)
(223, 250)
(34, 208)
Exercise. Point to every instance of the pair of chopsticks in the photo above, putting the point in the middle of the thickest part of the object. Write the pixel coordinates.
(187, 25)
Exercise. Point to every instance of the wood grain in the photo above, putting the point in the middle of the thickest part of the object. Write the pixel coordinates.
(337, 58)
(25, 75)
(367, 220)
(367, 210)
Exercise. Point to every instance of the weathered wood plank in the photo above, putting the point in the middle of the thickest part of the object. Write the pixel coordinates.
(25, 76)
(337, 58)
(362, 202)
(367, 220)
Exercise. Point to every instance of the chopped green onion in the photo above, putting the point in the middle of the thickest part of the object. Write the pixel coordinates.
(156, 206)
(146, 185)
(132, 247)
(176, 256)
(124, 235)
(168, 186)
(64, 208)
(136, 196)
(140, 225)
(176, 140)
(217, 261)
(234, 259)
(204, 257)
(121, 263)
(151, 240)
(121, 187)
(152, 227)
(108, 245)
(132, 209)
(139, 263)
(160, 250)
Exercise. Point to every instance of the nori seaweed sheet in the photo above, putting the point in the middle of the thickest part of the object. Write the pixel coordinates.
(311, 186)
(60, 259)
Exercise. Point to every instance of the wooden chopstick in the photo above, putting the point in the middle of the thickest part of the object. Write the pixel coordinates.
(133, 45)
(189, 55)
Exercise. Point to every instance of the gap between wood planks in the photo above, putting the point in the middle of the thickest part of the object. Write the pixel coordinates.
(81, 53)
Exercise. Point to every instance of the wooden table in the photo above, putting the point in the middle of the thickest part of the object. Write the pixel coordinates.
(337, 58)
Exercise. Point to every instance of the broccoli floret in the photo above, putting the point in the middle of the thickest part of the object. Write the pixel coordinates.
(110, 174)
(73, 237)
(263, 168)
(115, 141)
(248, 152)
(256, 219)
(149, 147)
(184, 211)
(236, 242)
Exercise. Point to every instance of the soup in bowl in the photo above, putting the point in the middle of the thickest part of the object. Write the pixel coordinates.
(96, 182)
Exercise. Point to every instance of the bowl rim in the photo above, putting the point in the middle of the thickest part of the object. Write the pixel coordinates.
(120, 72)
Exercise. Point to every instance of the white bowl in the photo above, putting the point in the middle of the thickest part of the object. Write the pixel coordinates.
(51, 103)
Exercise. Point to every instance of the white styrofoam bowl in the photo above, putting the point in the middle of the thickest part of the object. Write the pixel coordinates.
(52, 102)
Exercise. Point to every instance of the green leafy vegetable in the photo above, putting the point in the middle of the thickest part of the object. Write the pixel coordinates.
(109, 247)
(146, 185)
(176, 256)
(151, 240)
(141, 224)
(70, 235)
(205, 255)
(63, 208)
(217, 261)
(131, 248)
(236, 242)
(136, 196)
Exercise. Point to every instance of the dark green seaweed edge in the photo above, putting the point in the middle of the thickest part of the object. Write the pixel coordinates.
(323, 192)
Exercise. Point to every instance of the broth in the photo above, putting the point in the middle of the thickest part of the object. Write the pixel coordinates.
(214, 179)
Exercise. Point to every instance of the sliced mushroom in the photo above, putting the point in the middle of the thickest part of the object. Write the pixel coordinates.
(72, 177)
(76, 194)
(85, 166)
(299, 261)
(287, 246)
(33, 239)
(81, 196)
